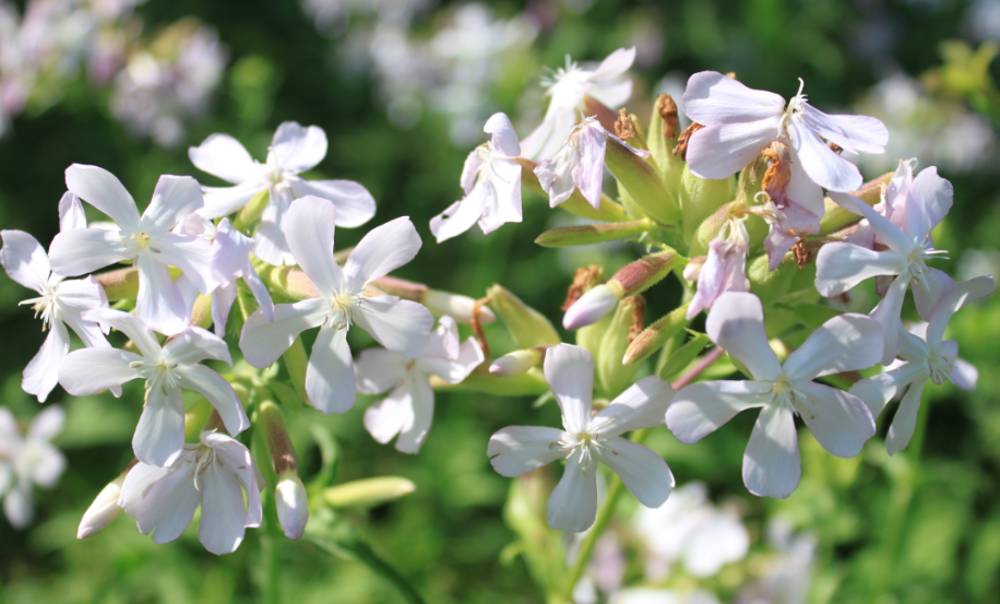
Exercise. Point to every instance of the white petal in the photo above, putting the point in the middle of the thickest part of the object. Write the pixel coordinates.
(292, 505)
(48, 465)
(460, 216)
(503, 138)
(699, 409)
(964, 375)
(263, 341)
(81, 251)
(223, 156)
(572, 506)
(222, 201)
(104, 191)
(887, 314)
(24, 259)
(517, 450)
(42, 373)
(379, 369)
(296, 148)
(401, 325)
(160, 499)
(270, 243)
(159, 435)
(173, 198)
(853, 133)
(966, 291)
(841, 266)
(905, 420)
(47, 424)
(355, 204)
(771, 460)
(413, 432)
(71, 214)
(501, 183)
(308, 227)
(90, 370)
(887, 232)
(840, 421)
(847, 342)
(159, 302)
(736, 323)
(470, 355)
(824, 167)
(386, 418)
(237, 459)
(381, 251)
(330, 373)
(223, 517)
(929, 200)
(569, 370)
(545, 140)
(218, 392)
(133, 328)
(642, 471)
(194, 256)
(614, 65)
(879, 389)
(929, 290)
(642, 405)
(18, 506)
(714, 98)
(195, 345)
(721, 150)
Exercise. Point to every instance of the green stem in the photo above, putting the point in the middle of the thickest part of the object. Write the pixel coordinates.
(360, 551)
(272, 560)
(604, 515)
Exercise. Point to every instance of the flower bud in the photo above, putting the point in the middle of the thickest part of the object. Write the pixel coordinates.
(292, 505)
(640, 182)
(699, 199)
(586, 234)
(663, 130)
(102, 510)
(836, 217)
(656, 335)
(526, 325)
(456, 306)
(516, 363)
(639, 275)
(368, 492)
(612, 375)
(592, 305)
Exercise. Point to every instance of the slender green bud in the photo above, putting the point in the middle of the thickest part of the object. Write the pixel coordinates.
(639, 275)
(613, 376)
(529, 383)
(527, 326)
(664, 126)
(656, 335)
(368, 492)
(836, 217)
(701, 198)
(640, 181)
(594, 233)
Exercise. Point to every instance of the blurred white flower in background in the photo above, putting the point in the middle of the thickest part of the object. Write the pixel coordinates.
(789, 574)
(28, 459)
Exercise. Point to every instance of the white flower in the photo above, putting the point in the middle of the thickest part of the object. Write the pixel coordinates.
(167, 370)
(740, 122)
(926, 356)
(409, 408)
(567, 89)
(292, 505)
(578, 164)
(688, 528)
(294, 149)
(344, 298)
(27, 460)
(60, 304)
(215, 473)
(724, 268)
(840, 421)
(102, 510)
(146, 240)
(585, 440)
(840, 265)
(491, 180)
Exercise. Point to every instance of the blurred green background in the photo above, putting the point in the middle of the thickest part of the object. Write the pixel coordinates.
(905, 529)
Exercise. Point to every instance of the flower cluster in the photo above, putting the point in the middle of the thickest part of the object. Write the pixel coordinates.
(758, 253)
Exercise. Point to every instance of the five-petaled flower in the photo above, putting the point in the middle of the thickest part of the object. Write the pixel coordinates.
(294, 149)
(586, 440)
(167, 370)
(578, 164)
(27, 460)
(840, 421)
(409, 407)
(344, 297)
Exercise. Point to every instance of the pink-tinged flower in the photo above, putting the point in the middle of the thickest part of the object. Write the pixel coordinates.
(585, 440)
(578, 164)
(491, 180)
(795, 205)
(231, 251)
(294, 149)
(61, 304)
(409, 408)
(740, 122)
(217, 473)
(594, 304)
(567, 89)
(840, 421)
(925, 356)
(344, 298)
(840, 265)
(724, 269)
(28, 460)
(146, 240)
(168, 370)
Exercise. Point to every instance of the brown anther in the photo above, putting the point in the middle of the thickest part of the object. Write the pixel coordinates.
(638, 317)
(477, 326)
(778, 173)
(681, 148)
(583, 279)
(801, 252)
(623, 125)
(835, 147)
(667, 109)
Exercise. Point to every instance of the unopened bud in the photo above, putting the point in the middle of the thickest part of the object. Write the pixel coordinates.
(592, 305)
(700, 199)
(656, 335)
(103, 510)
(835, 217)
(292, 505)
(663, 130)
(456, 306)
(586, 234)
(640, 182)
(612, 375)
(516, 363)
(368, 492)
(639, 275)
(527, 326)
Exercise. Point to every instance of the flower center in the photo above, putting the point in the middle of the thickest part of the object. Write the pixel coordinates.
(794, 107)
(339, 314)
(582, 445)
(567, 85)
(158, 374)
(45, 306)
(940, 366)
